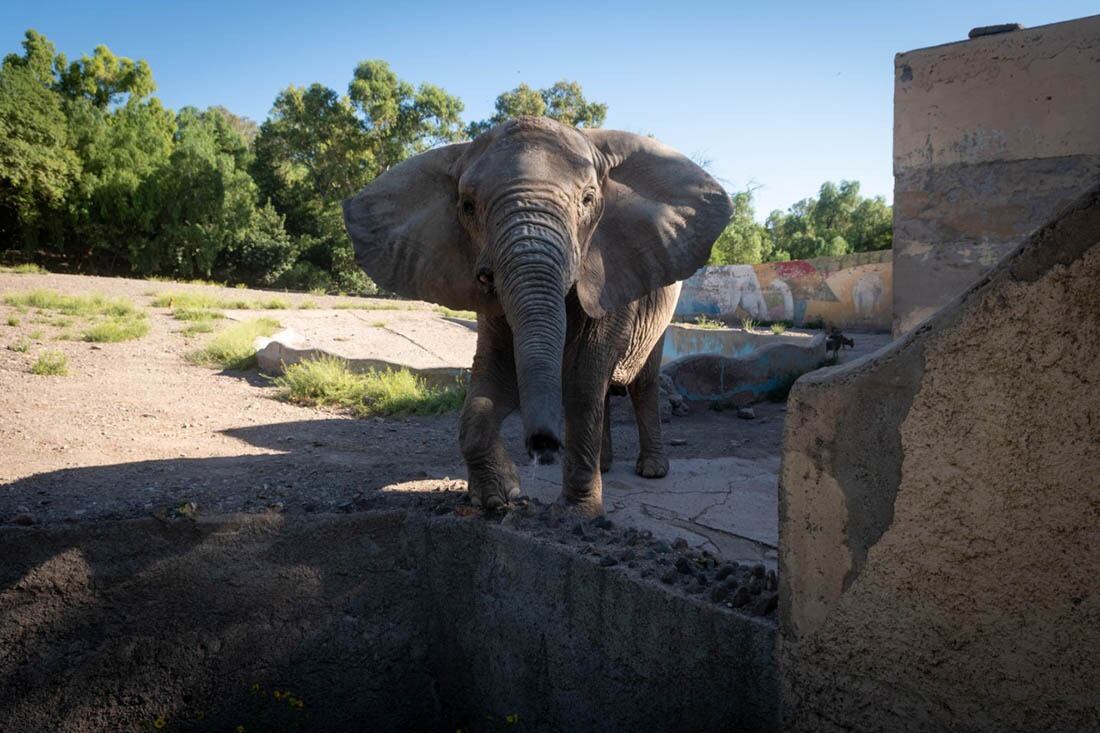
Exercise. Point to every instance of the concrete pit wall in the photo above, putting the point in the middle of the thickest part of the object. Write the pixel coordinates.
(939, 515)
(390, 620)
(991, 137)
(853, 291)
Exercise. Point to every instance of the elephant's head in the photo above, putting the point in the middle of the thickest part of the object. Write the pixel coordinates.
(514, 220)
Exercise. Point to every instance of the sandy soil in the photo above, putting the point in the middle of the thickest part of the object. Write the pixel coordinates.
(134, 429)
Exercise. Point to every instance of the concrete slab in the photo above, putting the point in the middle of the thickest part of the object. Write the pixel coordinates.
(440, 349)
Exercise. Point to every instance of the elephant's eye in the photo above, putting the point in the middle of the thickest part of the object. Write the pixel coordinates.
(468, 207)
(589, 198)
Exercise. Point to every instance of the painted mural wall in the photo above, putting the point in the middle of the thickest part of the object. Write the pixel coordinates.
(853, 291)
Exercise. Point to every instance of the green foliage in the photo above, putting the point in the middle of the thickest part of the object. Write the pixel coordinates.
(564, 102)
(837, 222)
(13, 321)
(778, 328)
(748, 324)
(329, 382)
(74, 305)
(233, 347)
(28, 268)
(21, 346)
(51, 363)
(743, 241)
(463, 315)
(126, 328)
(703, 321)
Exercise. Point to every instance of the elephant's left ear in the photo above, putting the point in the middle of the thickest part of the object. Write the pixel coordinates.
(661, 215)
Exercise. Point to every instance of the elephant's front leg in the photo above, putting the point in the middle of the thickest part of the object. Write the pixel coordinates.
(492, 396)
(585, 395)
(645, 394)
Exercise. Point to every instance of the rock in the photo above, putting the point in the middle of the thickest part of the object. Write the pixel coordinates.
(677, 442)
(607, 561)
(758, 570)
(23, 519)
(719, 593)
(662, 547)
(679, 544)
(669, 577)
(764, 605)
(740, 597)
(726, 570)
(771, 581)
(746, 413)
(671, 401)
(602, 523)
(579, 531)
(756, 587)
(684, 566)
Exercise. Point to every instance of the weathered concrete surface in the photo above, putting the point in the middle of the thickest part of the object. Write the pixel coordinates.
(439, 349)
(740, 381)
(938, 511)
(375, 621)
(685, 339)
(853, 291)
(991, 137)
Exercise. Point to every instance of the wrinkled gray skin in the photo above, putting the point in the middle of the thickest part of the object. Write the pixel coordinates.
(570, 245)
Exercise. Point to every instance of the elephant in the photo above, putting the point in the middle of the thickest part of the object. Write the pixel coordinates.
(570, 244)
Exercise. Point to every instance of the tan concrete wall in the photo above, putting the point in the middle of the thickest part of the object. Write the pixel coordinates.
(991, 137)
(851, 291)
(940, 511)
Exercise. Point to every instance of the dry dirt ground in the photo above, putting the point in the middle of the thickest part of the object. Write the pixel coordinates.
(135, 429)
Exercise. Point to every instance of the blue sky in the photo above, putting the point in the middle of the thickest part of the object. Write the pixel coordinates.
(782, 96)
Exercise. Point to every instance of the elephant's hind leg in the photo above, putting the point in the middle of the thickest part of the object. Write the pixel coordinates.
(491, 397)
(645, 394)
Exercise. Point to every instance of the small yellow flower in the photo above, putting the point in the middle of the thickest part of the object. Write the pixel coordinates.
(160, 723)
(240, 729)
(512, 719)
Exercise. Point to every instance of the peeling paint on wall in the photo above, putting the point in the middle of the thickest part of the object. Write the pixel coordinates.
(853, 291)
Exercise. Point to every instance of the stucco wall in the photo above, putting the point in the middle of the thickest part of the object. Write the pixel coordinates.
(853, 291)
(991, 137)
(939, 508)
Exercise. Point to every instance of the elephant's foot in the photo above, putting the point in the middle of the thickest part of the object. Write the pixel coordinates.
(652, 465)
(494, 487)
(580, 508)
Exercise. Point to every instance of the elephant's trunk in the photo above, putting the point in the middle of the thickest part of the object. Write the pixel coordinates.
(531, 272)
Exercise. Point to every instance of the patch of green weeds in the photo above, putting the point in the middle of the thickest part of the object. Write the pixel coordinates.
(778, 328)
(113, 330)
(232, 347)
(307, 305)
(329, 382)
(51, 363)
(703, 321)
(748, 324)
(21, 346)
(28, 268)
(13, 321)
(35, 335)
(464, 315)
(73, 305)
(195, 314)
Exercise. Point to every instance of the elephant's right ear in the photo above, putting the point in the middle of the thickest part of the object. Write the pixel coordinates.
(406, 232)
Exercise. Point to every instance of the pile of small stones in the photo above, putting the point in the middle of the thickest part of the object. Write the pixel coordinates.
(749, 589)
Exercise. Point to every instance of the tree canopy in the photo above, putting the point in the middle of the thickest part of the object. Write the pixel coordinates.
(97, 175)
(837, 222)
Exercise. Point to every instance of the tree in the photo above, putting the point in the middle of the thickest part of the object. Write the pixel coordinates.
(319, 147)
(38, 167)
(837, 222)
(743, 241)
(564, 102)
